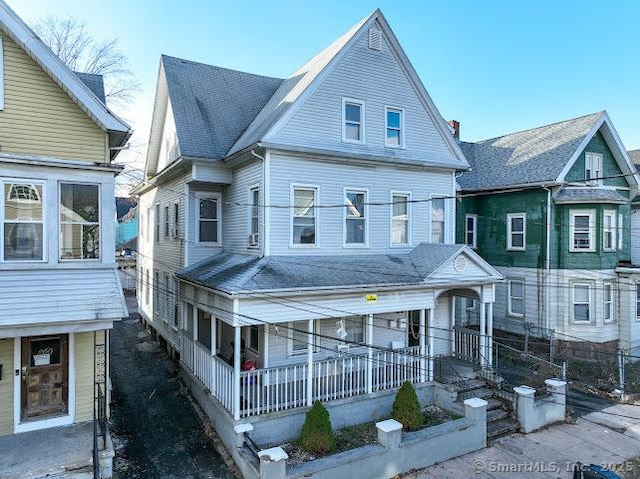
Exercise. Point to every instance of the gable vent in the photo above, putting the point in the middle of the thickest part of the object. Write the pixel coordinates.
(375, 39)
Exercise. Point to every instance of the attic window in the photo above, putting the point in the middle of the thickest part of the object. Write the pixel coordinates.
(375, 39)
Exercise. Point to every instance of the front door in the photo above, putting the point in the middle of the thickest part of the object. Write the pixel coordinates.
(413, 328)
(45, 376)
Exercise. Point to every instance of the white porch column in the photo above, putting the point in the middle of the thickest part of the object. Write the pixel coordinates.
(265, 347)
(236, 373)
(195, 323)
(370, 353)
(490, 333)
(483, 333)
(432, 342)
(423, 346)
(214, 335)
(310, 344)
(452, 333)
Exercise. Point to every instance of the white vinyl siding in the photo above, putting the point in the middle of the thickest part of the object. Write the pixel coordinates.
(582, 227)
(516, 297)
(471, 230)
(352, 120)
(609, 237)
(582, 302)
(394, 125)
(516, 232)
(608, 305)
(593, 168)
(356, 212)
(400, 219)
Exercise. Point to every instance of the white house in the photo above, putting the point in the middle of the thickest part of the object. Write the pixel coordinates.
(297, 235)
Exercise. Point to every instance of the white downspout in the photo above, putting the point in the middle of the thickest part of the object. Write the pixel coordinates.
(265, 197)
(547, 261)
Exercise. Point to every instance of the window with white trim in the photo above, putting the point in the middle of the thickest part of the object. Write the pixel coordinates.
(176, 219)
(166, 291)
(209, 213)
(79, 221)
(167, 222)
(299, 340)
(355, 228)
(593, 168)
(156, 219)
(23, 221)
(400, 219)
(607, 298)
(254, 338)
(582, 226)
(176, 302)
(254, 216)
(394, 123)
(516, 231)
(355, 329)
(438, 215)
(303, 218)
(471, 230)
(581, 293)
(620, 230)
(156, 293)
(516, 297)
(352, 120)
(609, 240)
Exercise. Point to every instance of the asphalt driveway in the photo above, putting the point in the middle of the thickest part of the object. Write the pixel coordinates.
(157, 432)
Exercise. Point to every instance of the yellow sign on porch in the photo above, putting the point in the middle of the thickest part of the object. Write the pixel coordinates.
(371, 298)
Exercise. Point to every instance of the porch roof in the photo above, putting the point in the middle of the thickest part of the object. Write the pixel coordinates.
(235, 273)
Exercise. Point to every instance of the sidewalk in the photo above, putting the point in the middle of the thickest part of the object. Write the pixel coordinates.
(598, 438)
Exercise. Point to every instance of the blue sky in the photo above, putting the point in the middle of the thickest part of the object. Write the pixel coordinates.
(496, 66)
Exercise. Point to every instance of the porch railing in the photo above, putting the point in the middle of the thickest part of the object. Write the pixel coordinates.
(286, 387)
(467, 343)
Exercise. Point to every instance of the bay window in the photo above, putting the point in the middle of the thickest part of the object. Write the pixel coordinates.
(582, 230)
(23, 221)
(608, 302)
(79, 221)
(609, 238)
(209, 219)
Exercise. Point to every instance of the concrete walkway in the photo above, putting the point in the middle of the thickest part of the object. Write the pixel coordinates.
(604, 438)
(157, 432)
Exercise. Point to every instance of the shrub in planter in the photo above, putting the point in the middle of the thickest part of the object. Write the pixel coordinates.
(406, 408)
(317, 436)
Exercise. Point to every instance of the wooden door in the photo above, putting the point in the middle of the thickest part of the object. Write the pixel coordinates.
(45, 376)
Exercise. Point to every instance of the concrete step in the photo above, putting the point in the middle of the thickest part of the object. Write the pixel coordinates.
(469, 385)
(501, 428)
(480, 392)
(496, 415)
(493, 403)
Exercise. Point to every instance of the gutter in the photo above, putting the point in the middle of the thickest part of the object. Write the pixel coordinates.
(547, 261)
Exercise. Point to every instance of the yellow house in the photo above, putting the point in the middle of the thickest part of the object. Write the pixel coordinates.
(59, 290)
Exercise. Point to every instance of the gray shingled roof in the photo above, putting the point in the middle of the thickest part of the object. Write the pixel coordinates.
(635, 157)
(589, 195)
(212, 106)
(532, 156)
(95, 83)
(237, 273)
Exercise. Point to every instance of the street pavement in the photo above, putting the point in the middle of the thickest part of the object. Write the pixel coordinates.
(157, 432)
(609, 437)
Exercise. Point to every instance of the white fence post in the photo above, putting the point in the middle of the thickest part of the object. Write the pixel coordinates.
(423, 349)
(370, 354)
(236, 373)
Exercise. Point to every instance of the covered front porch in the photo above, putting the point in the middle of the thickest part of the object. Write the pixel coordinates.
(262, 368)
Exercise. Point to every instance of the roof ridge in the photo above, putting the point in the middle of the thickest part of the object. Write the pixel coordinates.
(535, 128)
(163, 56)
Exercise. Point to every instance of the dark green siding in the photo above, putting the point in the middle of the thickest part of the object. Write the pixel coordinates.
(609, 164)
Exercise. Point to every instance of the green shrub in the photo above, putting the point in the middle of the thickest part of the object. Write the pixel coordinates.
(317, 436)
(406, 408)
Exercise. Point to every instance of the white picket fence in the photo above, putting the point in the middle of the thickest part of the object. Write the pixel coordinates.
(286, 387)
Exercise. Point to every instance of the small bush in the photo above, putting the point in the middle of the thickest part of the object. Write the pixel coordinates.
(317, 436)
(406, 408)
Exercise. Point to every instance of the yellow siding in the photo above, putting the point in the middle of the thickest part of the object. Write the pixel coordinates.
(6, 387)
(84, 376)
(40, 118)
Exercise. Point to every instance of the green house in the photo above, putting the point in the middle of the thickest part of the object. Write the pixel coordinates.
(550, 208)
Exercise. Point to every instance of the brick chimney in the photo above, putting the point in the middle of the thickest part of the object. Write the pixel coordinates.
(456, 128)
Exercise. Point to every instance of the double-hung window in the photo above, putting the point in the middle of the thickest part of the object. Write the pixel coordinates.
(438, 216)
(352, 120)
(355, 218)
(156, 220)
(167, 222)
(176, 219)
(209, 219)
(166, 292)
(156, 293)
(304, 216)
(147, 286)
(516, 231)
(593, 168)
(581, 302)
(23, 218)
(400, 220)
(148, 224)
(516, 297)
(79, 221)
(394, 127)
(471, 230)
(300, 337)
(607, 297)
(582, 230)
(254, 216)
(609, 238)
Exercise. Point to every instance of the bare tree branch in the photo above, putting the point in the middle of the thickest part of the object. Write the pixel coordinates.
(69, 39)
